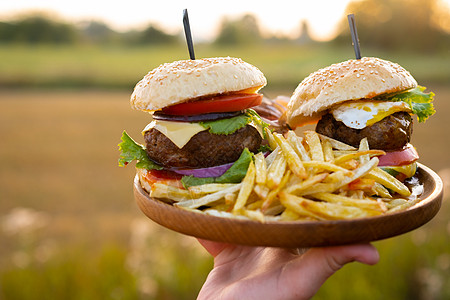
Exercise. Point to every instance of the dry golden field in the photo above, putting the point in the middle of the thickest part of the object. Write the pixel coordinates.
(59, 178)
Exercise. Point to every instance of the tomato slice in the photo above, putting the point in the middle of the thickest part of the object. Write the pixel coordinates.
(221, 103)
(403, 157)
(163, 176)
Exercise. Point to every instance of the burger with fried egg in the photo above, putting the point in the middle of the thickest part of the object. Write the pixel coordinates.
(203, 128)
(368, 98)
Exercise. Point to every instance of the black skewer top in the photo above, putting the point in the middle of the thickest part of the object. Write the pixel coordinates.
(354, 33)
(187, 32)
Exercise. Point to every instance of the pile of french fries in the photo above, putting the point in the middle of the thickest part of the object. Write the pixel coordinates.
(302, 179)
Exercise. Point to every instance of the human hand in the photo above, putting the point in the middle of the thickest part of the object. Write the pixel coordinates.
(242, 272)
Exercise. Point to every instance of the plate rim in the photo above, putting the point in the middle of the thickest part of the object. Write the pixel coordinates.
(433, 198)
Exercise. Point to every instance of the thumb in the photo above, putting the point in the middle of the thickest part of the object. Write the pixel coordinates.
(320, 263)
(214, 248)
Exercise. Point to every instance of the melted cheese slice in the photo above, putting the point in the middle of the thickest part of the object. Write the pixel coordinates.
(181, 132)
(178, 132)
(360, 114)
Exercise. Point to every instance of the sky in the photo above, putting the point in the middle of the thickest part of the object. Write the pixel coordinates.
(275, 17)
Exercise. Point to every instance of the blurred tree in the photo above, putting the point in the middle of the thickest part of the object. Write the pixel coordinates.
(38, 29)
(7, 31)
(398, 24)
(98, 32)
(155, 36)
(304, 37)
(244, 30)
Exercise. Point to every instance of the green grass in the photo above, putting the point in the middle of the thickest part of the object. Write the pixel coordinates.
(121, 67)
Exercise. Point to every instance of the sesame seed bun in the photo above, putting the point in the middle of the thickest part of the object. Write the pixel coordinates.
(350, 80)
(184, 80)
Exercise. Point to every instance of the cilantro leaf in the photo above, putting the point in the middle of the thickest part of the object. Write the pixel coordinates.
(234, 174)
(418, 101)
(130, 150)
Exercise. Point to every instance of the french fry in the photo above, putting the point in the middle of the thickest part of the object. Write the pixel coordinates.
(336, 144)
(209, 199)
(274, 210)
(293, 203)
(253, 215)
(163, 191)
(326, 166)
(362, 184)
(335, 177)
(255, 205)
(276, 171)
(315, 147)
(319, 188)
(222, 214)
(230, 198)
(261, 190)
(273, 193)
(260, 168)
(389, 181)
(302, 179)
(289, 215)
(350, 164)
(331, 211)
(200, 190)
(347, 201)
(296, 143)
(306, 184)
(367, 153)
(401, 204)
(362, 170)
(246, 188)
(327, 151)
(364, 146)
(270, 139)
(222, 207)
(271, 157)
(292, 159)
(381, 191)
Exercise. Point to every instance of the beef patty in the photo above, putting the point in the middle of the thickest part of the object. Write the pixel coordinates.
(203, 150)
(391, 133)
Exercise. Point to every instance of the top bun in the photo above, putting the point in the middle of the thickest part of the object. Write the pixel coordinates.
(348, 80)
(183, 80)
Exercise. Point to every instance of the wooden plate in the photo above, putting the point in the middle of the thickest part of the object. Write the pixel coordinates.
(297, 234)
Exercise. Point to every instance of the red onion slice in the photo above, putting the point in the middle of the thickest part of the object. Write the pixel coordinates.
(215, 171)
(399, 158)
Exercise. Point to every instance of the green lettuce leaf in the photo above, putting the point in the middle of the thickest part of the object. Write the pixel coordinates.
(418, 101)
(227, 126)
(230, 125)
(234, 174)
(130, 150)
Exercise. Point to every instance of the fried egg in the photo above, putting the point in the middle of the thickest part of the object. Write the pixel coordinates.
(360, 114)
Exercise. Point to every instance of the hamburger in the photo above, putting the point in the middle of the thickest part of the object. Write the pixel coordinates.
(203, 128)
(368, 98)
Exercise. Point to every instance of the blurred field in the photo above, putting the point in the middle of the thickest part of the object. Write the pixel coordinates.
(70, 228)
(121, 67)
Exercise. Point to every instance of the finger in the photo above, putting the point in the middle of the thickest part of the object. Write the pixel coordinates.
(308, 272)
(214, 248)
